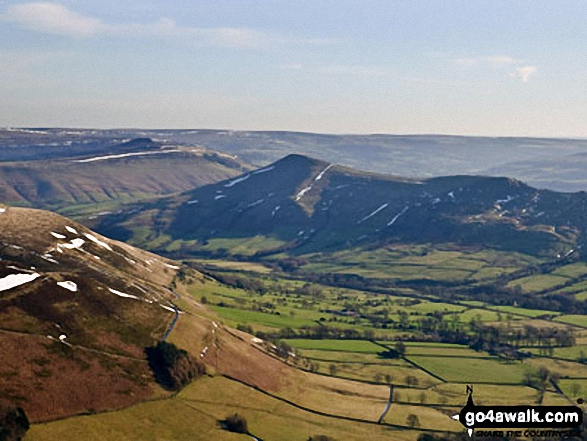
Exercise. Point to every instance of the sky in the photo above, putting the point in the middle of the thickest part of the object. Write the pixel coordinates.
(468, 67)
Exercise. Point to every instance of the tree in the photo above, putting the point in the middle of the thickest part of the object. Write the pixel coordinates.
(172, 367)
(332, 369)
(400, 347)
(411, 380)
(575, 389)
(412, 420)
(235, 423)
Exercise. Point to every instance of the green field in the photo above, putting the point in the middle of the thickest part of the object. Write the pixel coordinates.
(473, 370)
(195, 413)
(337, 345)
(577, 320)
(523, 311)
(538, 282)
(235, 316)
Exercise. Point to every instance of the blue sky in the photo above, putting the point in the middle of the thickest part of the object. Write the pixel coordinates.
(498, 68)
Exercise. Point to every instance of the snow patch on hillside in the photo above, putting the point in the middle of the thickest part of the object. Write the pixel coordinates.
(125, 155)
(122, 294)
(383, 207)
(237, 180)
(72, 286)
(98, 241)
(303, 192)
(397, 216)
(263, 170)
(14, 280)
(75, 243)
(321, 174)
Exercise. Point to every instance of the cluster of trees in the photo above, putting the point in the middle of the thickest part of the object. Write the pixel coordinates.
(492, 338)
(245, 283)
(235, 423)
(13, 423)
(172, 367)
(540, 379)
(314, 332)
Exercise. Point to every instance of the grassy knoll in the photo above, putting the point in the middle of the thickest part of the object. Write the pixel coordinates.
(569, 353)
(337, 345)
(243, 246)
(417, 262)
(539, 282)
(572, 270)
(194, 415)
(483, 315)
(523, 311)
(574, 388)
(471, 370)
(234, 316)
(436, 351)
(573, 319)
(426, 307)
(237, 266)
(428, 417)
(349, 357)
(399, 374)
(335, 395)
(561, 367)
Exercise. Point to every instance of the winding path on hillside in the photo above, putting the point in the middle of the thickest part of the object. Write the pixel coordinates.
(172, 325)
(387, 406)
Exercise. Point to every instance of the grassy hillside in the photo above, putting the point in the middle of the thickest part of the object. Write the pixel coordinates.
(98, 177)
(76, 312)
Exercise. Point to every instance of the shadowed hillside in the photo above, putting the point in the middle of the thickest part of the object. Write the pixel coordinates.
(301, 205)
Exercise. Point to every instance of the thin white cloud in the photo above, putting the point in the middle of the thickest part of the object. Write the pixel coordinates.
(52, 18)
(524, 73)
(57, 19)
(491, 60)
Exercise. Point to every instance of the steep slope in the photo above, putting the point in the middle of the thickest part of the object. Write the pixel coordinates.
(76, 312)
(306, 205)
(106, 173)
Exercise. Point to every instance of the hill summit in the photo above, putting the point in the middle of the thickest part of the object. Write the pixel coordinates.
(306, 205)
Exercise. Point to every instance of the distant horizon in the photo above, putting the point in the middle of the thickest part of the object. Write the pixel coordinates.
(306, 132)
